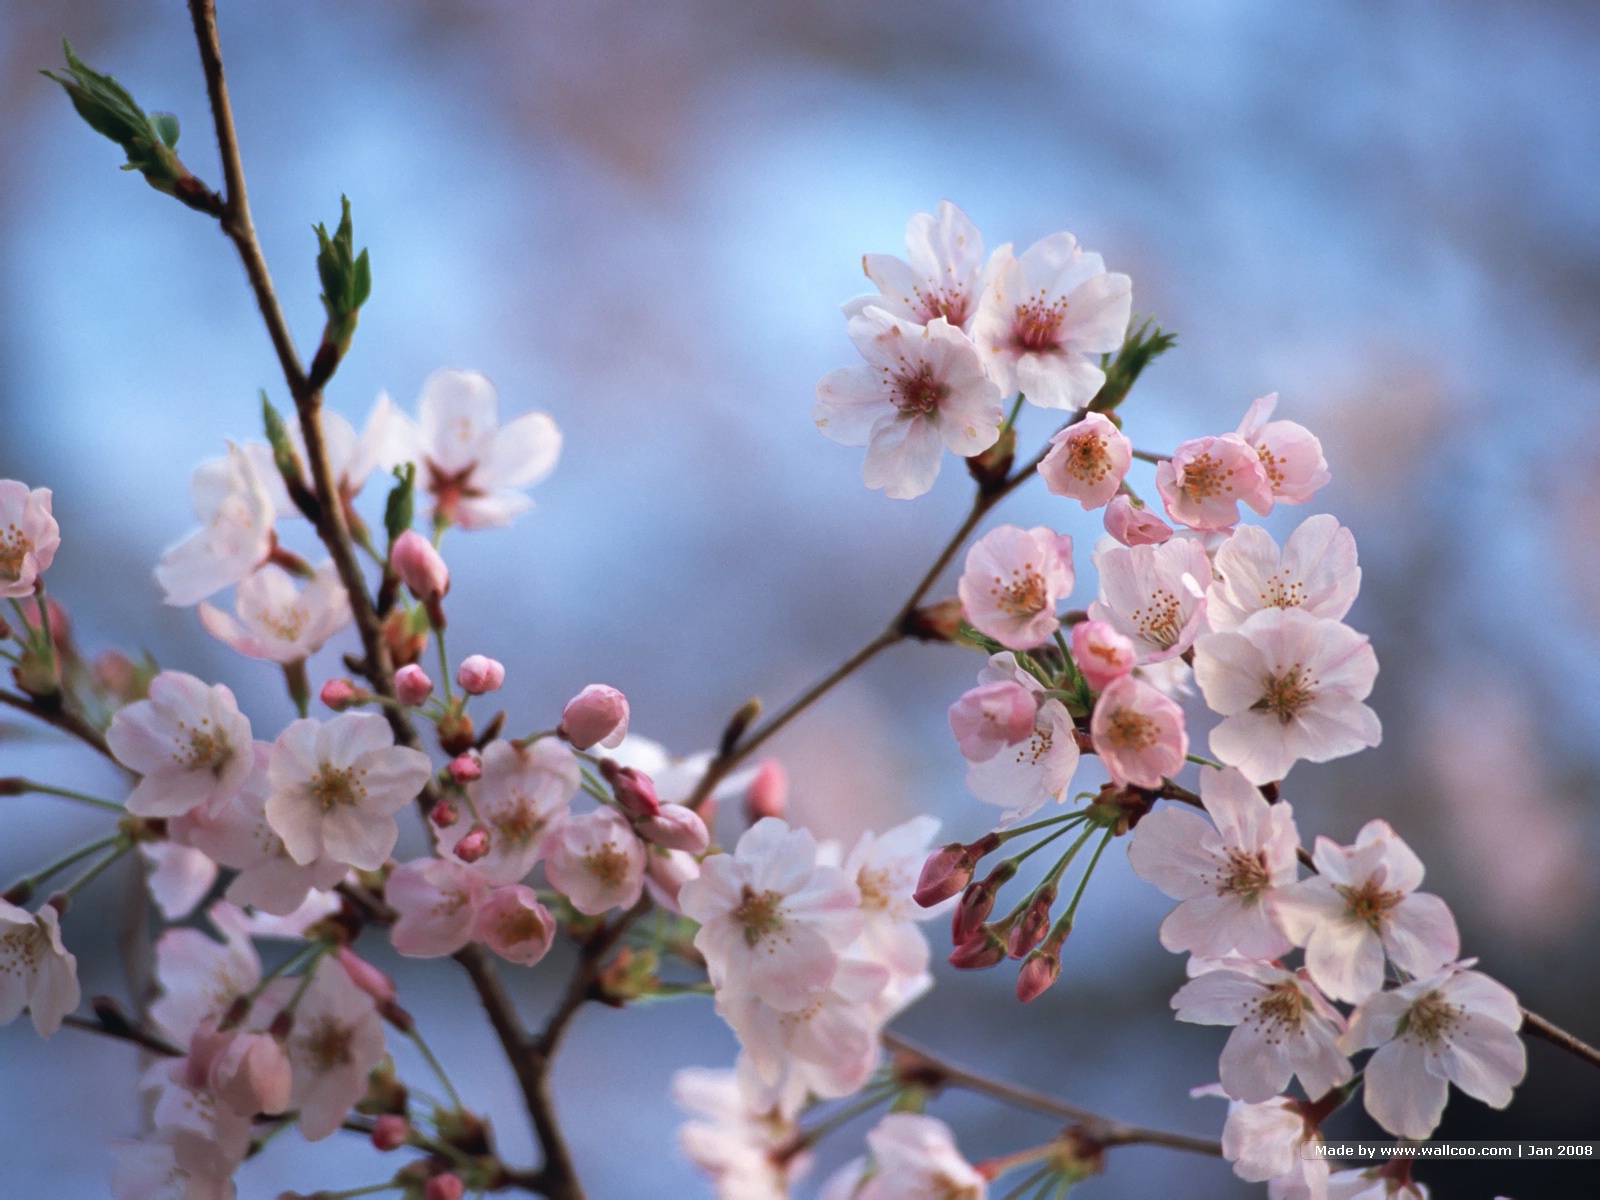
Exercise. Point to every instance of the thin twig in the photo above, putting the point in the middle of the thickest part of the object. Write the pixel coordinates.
(68, 722)
(138, 1037)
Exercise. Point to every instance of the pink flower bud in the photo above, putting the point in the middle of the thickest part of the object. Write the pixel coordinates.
(946, 872)
(1102, 654)
(419, 566)
(596, 716)
(973, 910)
(464, 768)
(1030, 929)
(389, 1132)
(634, 790)
(412, 686)
(365, 976)
(444, 814)
(667, 873)
(768, 795)
(991, 717)
(339, 694)
(252, 1075)
(444, 1187)
(473, 845)
(1038, 974)
(675, 827)
(982, 950)
(1135, 526)
(515, 925)
(479, 674)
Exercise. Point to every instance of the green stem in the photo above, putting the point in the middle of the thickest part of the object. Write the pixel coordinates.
(48, 789)
(1016, 411)
(83, 881)
(45, 634)
(435, 1065)
(444, 663)
(1202, 760)
(61, 864)
(1072, 909)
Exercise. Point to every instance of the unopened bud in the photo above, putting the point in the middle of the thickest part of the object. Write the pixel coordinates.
(983, 949)
(596, 716)
(634, 790)
(444, 814)
(479, 674)
(444, 1187)
(365, 976)
(412, 687)
(768, 795)
(1038, 975)
(676, 828)
(937, 622)
(978, 900)
(389, 1132)
(474, 844)
(420, 568)
(464, 768)
(339, 694)
(947, 871)
(1134, 526)
(457, 734)
(1029, 931)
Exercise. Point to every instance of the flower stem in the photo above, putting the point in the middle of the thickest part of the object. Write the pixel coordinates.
(1072, 908)
(435, 1065)
(83, 881)
(48, 789)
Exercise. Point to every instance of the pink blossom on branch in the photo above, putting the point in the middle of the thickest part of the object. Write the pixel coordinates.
(235, 537)
(1138, 733)
(1102, 655)
(596, 861)
(1153, 595)
(1133, 524)
(992, 716)
(1290, 454)
(523, 793)
(37, 972)
(1316, 571)
(596, 716)
(436, 901)
(1087, 461)
(420, 567)
(942, 280)
(188, 741)
(1023, 777)
(513, 924)
(1013, 581)
(278, 621)
(29, 537)
(1206, 480)
(479, 674)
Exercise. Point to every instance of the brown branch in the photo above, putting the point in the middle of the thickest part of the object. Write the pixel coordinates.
(125, 1033)
(935, 1072)
(67, 722)
(1150, 457)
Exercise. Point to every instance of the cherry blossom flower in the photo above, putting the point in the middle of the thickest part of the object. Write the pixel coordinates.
(249, 1072)
(29, 537)
(1135, 525)
(666, 871)
(436, 901)
(200, 978)
(1102, 655)
(1290, 686)
(336, 786)
(773, 921)
(1205, 480)
(37, 972)
(1230, 876)
(991, 717)
(1013, 580)
(1023, 777)
(1087, 461)
(278, 622)
(473, 466)
(596, 716)
(382, 444)
(235, 536)
(236, 834)
(922, 391)
(183, 1105)
(1283, 1027)
(190, 743)
(1046, 316)
(178, 876)
(1153, 595)
(234, 921)
(1267, 1142)
(1290, 454)
(943, 278)
(173, 1165)
(740, 1139)
(1138, 733)
(916, 1157)
(1361, 905)
(885, 867)
(1316, 572)
(513, 924)
(412, 687)
(1456, 1026)
(420, 567)
(596, 861)
(523, 793)
(674, 827)
(335, 1041)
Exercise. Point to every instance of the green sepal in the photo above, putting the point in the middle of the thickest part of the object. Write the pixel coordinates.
(1144, 346)
(400, 509)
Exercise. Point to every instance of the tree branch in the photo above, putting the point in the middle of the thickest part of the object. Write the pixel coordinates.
(67, 722)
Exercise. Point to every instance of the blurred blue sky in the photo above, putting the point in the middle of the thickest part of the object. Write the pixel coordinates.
(642, 218)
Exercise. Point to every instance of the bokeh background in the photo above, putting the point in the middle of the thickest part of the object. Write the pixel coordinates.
(641, 217)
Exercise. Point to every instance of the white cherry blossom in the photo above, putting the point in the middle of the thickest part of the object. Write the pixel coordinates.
(200, 978)
(922, 391)
(178, 876)
(190, 743)
(37, 972)
(277, 620)
(1316, 572)
(336, 787)
(1230, 876)
(943, 278)
(1045, 318)
(1022, 777)
(1266, 1143)
(1290, 686)
(173, 1165)
(1362, 904)
(235, 536)
(916, 1158)
(383, 443)
(1154, 595)
(523, 793)
(885, 867)
(736, 1135)
(29, 537)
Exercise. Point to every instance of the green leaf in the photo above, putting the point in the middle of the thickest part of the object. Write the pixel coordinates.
(1143, 346)
(110, 111)
(400, 510)
(166, 125)
(346, 279)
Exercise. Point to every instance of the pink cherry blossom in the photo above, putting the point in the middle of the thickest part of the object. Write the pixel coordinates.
(183, 1105)
(1135, 525)
(885, 867)
(1024, 776)
(916, 1157)
(1087, 461)
(736, 1136)
(1153, 595)
(436, 901)
(922, 391)
(1266, 1143)
(513, 924)
(200, 979)
(178, 876)
(523, 793)
(336, 787)
(773, 921)
(1013, 580)
(666, 871)
(1290, 686)
(190, 743)
(37, 972)
(473, 466)
(1455, 1026)
(1046, 316)
(1206, 479)
(1363, 904)
(278, 622)
(1230, 876)
(768, 793)
(1290, 454)
(991, 717)
(335, 1041)
(249, 1072)
(479, 674)
(596, 716)
(234, 921)
(235, 537)
(674, 827)
(943, 278)
(1316, 572)
(1283, 1027)
(29, 537)
(1102, 655)
(596, 861)
(1138, 733)
(420, 566)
